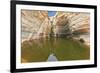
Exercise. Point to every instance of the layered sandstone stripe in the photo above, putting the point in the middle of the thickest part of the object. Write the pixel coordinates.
(34, 24)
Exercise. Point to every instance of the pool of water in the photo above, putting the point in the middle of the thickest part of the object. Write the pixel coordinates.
(62, 49)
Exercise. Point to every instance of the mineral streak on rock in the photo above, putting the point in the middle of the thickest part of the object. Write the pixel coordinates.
(37, 24)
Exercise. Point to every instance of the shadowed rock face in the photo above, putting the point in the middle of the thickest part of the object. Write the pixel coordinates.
(74, 21)
(37, 24)
(73, 24)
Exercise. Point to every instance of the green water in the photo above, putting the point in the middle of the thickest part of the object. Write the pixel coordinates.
(64, 49)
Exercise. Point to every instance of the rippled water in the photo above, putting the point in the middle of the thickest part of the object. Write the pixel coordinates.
(63, 50)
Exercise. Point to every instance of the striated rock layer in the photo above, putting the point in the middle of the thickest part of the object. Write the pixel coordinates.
(34, 24)
(74, 24)
(37, 24)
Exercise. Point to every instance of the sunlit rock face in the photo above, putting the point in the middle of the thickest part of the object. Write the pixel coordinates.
(34, 24)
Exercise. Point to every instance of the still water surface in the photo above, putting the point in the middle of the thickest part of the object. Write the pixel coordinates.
(59, 49)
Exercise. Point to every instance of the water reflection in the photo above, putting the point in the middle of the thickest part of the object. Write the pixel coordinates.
(61, 48)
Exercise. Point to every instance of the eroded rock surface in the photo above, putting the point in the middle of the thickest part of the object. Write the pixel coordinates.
(37, 24)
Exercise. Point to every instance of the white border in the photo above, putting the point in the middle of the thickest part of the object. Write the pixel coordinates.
(20, 65)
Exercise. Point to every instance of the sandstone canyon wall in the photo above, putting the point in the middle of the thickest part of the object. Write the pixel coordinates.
(37, 24)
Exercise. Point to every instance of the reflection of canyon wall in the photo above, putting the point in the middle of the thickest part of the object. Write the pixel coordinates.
(35, 24)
